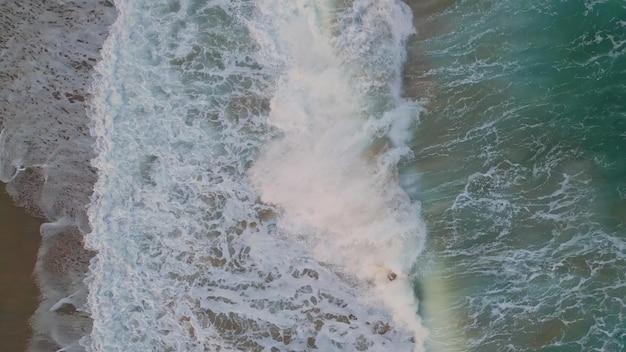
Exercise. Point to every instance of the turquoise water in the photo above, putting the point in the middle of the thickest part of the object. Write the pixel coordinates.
(520, 166)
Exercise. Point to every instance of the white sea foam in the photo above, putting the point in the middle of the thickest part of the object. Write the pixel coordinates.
(247, 188)
(47, 50)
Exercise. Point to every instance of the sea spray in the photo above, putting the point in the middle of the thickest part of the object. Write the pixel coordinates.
(343, 130)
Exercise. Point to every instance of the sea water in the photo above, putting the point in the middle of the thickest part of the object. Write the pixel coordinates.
(520, 165)
(247, 194)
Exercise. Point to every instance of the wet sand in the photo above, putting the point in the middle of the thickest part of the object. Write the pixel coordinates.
(47, 54)
(19, 242)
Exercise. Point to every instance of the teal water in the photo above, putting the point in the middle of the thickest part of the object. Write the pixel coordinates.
(520, 166)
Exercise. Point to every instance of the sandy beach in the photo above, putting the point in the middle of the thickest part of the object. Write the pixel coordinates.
(19, 241)
(47, 54)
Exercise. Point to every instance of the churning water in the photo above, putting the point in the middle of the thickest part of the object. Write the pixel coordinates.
(248, 192)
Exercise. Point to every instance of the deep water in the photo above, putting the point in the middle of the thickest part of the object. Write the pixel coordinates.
(520, 166)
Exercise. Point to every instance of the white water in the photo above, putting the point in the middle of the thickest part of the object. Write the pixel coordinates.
(334, 190)
(247, 189)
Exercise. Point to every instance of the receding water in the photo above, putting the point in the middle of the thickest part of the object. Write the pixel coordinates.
(247, 196)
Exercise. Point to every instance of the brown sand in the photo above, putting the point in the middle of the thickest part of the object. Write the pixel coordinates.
(19, 242)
